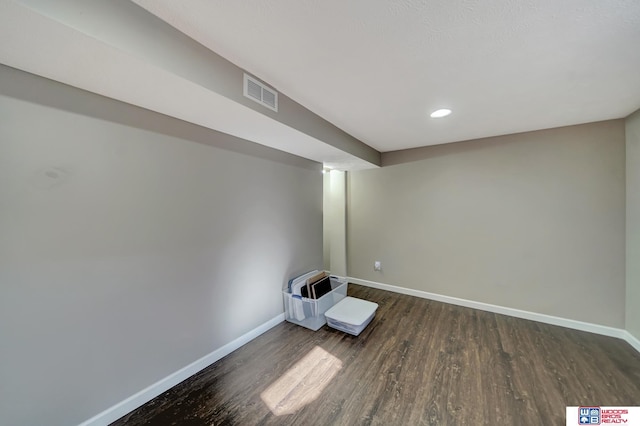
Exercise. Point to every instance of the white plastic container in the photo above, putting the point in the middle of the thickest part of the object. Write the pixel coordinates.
(309, 313)
(351, 315)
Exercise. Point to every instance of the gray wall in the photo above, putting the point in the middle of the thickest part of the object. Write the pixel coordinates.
(633, 224)
(533, 221)
(159, 242)
(335, 222)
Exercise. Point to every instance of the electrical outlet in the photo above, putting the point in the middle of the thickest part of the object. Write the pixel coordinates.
(377, 266)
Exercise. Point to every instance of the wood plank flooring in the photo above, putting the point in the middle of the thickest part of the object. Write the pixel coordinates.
(419, 362)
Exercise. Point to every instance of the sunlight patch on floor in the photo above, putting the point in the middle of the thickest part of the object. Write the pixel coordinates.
(302, 383)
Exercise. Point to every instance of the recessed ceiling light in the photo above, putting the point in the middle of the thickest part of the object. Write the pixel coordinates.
(440, 113)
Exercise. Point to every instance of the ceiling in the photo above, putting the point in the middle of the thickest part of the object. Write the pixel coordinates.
(376, 68)
(373, 68)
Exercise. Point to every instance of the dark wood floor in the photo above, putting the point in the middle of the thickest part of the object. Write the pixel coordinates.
(419, 362)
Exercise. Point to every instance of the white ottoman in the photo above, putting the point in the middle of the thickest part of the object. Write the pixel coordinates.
(351, 315)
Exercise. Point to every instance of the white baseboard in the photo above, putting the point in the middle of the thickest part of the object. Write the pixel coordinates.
(632, 340)
(145, 395)
(534, 316)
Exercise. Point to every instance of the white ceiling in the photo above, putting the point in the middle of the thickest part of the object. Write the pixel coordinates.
(376, 68)
(83, 44)
(373, 68)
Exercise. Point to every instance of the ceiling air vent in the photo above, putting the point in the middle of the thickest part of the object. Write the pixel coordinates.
(256, 91)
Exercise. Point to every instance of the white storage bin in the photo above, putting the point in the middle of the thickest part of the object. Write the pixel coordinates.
(351, 315)
(309, 313)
